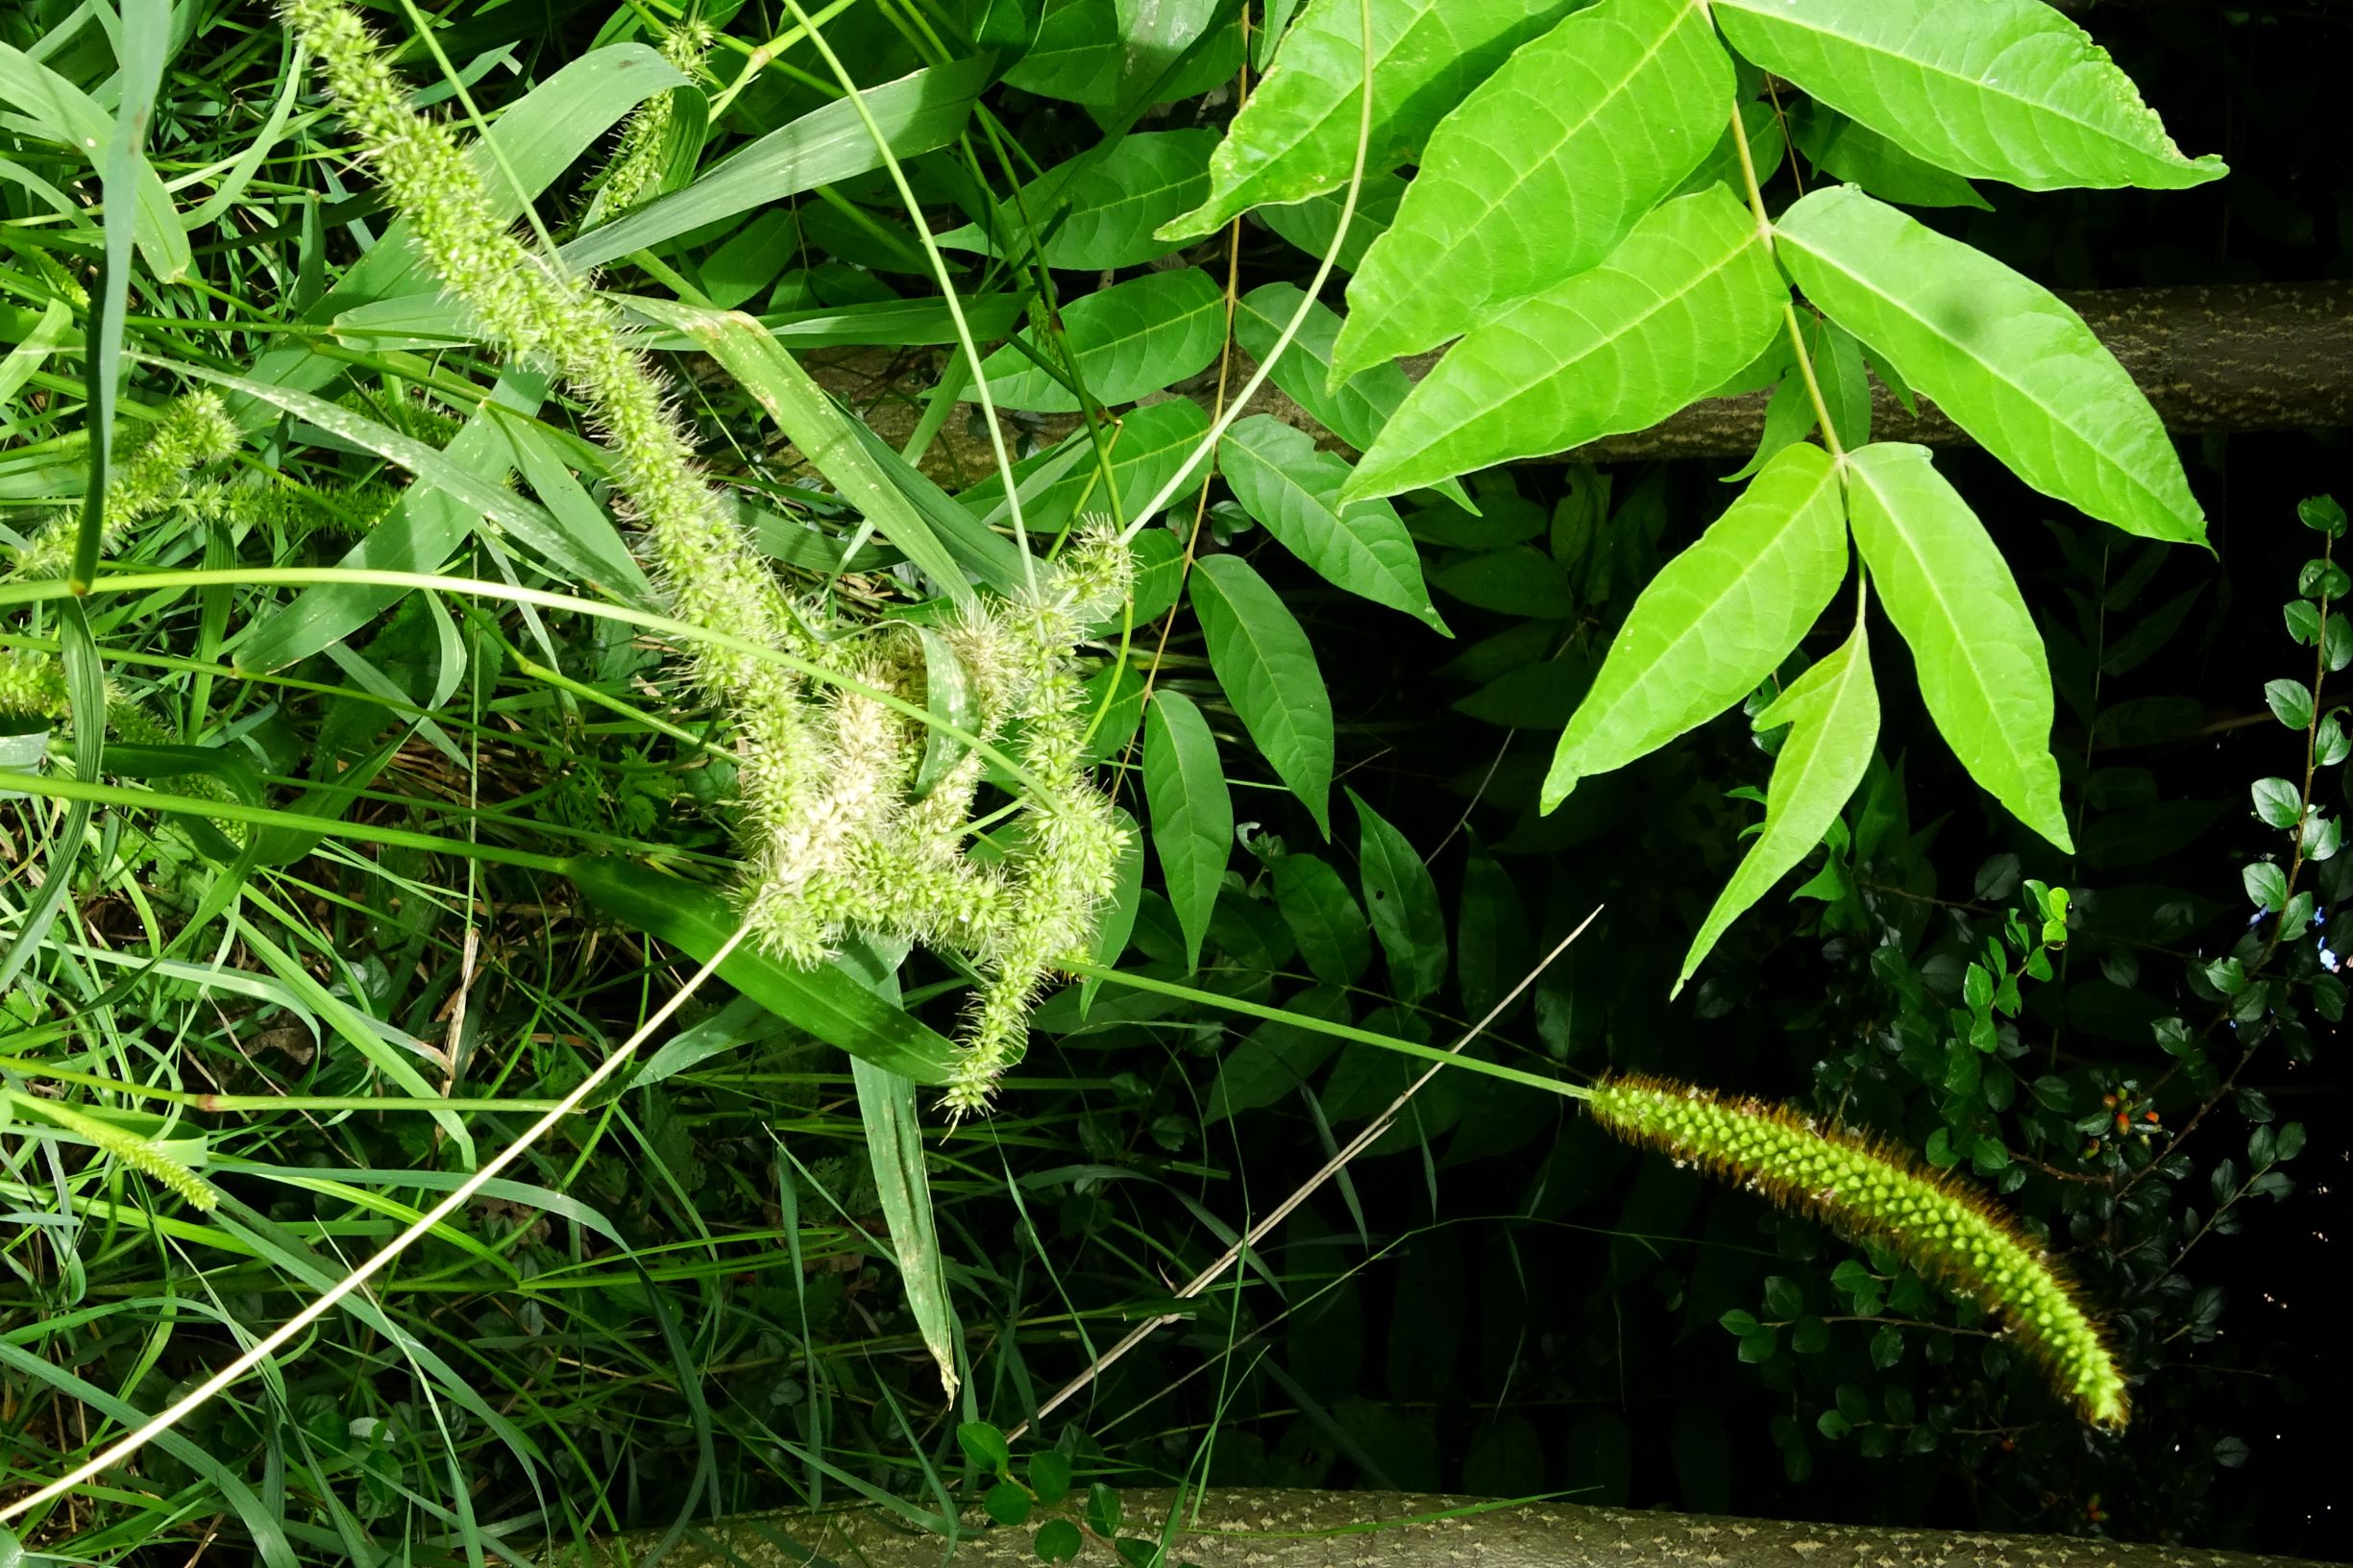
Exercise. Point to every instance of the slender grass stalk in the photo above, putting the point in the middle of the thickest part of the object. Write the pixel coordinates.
(277, 1339)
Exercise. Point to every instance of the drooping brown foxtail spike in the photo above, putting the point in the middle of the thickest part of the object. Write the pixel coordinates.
(1875, 1192)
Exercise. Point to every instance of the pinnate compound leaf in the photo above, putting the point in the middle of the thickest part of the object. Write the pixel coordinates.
(1129, 339)
(1404, 901)
(2014, 367)
(1715, 620)
(1982, 670)
(1994, 89)
(1192, 813)
(1833, 714)
(1297, 136)
(1689, 299)
(1541, 171)
(1295, 490)
(1266, 666)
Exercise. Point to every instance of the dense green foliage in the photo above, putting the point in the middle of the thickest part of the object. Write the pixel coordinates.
(538, 837)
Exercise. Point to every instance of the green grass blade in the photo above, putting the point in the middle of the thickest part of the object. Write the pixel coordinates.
(895, 1144)
(829, 1002)
(917, 113)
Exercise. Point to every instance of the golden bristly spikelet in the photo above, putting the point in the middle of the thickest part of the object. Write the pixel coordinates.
(1875, 1192)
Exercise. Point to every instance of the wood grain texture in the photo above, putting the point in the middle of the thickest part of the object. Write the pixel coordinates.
(1268, 1528)
(2223, 358)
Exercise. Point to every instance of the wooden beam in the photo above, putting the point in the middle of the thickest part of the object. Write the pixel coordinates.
(1253, 1528)
(2220, 358)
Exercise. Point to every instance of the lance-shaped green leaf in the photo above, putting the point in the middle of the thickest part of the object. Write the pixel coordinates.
(2012, 366)
(1994, 89)
(915, 113)
(829, 1001)
(1325, 917)
(1860, 155)
(41, 100)
(1833, 714)
(1096, 212)
(1266, 666)
(1540, 173)
(1982, 670)
(1403, 900)
(1297, 136)
(1192, 813)
(1715, 620)
(1129, 339)
(902, 1186)
(1688, 300)
(1355, 409)
(1295, 490)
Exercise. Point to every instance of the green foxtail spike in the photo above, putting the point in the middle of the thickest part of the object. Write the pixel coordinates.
(1875, 1192)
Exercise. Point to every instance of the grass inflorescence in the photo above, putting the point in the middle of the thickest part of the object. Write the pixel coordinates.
(836, 837)
(1872, 1191)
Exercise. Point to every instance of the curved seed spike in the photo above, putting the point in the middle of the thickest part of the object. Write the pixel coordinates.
(1874, 1191)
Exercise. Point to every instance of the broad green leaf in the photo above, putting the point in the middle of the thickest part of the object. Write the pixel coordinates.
(1115, 203)
(829, 1001)
(1518, 580)
(894, 1151)
(1760, 126)
(919, 112)
(1105, 52)
(1833, 714)
(1275, 1059)
(1324, 918)
(1860, 155)
(1716, 619)
(1402, 900)
(2012, 366)
(1354, 408)
(1312, 224)
(1295, 490)
(1540, 172)
(1297, 136)
(1493, 944)
(1688, 299)
(1982, 670)
(1994, 89)
(1192, 814)
(1266, 666)
(1129, 339)
(1098, 209)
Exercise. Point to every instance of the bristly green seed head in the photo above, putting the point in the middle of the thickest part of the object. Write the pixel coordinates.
(837, 836)
(1875, 1192)
(192, 433)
